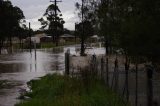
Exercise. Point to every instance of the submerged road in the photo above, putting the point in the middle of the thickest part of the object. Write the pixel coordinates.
(18, 68)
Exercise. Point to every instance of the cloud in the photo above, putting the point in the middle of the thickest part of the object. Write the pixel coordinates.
(34, 9)
(69, 17)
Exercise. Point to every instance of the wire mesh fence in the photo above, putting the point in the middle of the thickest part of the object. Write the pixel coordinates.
(135, 83)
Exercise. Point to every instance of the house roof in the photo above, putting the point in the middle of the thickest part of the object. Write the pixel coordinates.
(40, 35)
(67, 36)
(46, 37)
(95, 36)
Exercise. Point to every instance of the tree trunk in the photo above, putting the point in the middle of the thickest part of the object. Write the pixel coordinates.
(82, 36)
(57, 40)
(0, 46)
(10, 43)
(127, 66)
(20, 43)
(107, 47)
(82, 47)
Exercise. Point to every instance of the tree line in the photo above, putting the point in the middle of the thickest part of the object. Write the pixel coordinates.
(132, 25)
(12, 24)
(52, 22)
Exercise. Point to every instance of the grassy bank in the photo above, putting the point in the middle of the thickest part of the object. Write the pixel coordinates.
(51, 45)
(1, 84)
(56, 90)
(44, 45)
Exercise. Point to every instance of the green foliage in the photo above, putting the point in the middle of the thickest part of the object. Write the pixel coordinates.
(51, 19)
(2, 83)
(11, 24)
(10, 18)
(133, 24)
(139, 27)
(86, 27)
(64, 91)
(51, 45)
(108, 22)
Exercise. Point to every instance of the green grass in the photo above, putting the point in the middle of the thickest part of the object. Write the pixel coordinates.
(47, 45)
(3, 83)
(56, 90)
(51, 45)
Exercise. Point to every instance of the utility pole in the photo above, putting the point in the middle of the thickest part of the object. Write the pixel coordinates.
(55, 10)
(30, 37)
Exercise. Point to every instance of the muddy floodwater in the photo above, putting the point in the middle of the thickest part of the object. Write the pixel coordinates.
(18, 68)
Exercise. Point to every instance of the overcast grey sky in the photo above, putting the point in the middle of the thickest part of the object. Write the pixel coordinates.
(34, 9)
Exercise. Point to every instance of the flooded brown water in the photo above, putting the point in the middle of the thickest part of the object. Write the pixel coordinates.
(18, 68)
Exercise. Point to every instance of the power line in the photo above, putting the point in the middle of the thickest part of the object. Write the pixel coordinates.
(55, 9)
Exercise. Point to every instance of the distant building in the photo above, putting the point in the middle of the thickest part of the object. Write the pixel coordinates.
(46, 39)
(15, 40)
(33, 40)
(43, 37)
(94, 38)
(67, 37)
(40, 35)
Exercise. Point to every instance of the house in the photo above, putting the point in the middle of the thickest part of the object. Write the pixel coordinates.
(93, 39)
(46, 39)
(40, 35)
(67, 37)
(33, 40)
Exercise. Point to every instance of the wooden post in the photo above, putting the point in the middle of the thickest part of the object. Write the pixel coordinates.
(30, 37)
(102, 68)
(136, 98)
(107, 72)
(149, 85)
(116, 75)
(35, 51)
(67, 62)
(126, 78)
(94, 61)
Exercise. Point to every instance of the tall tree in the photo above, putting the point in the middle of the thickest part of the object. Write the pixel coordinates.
(108, 20)
(139, 27)
(10, 19)
(54, 24)
(85, 27)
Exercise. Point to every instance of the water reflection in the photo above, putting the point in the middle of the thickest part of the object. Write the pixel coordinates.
(19, 68)
(24, 62)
